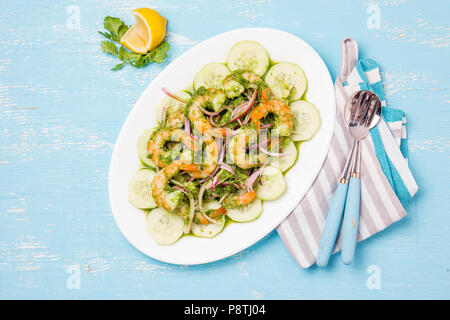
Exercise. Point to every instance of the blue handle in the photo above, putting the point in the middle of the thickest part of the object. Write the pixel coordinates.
(351, 220)
(332, 225)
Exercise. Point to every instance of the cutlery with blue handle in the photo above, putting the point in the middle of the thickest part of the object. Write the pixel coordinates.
(334, 217)
(360, 120)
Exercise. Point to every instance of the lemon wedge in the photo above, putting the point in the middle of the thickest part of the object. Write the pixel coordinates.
(147, 33)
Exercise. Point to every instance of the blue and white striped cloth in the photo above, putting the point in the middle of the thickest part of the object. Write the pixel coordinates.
(387, 183)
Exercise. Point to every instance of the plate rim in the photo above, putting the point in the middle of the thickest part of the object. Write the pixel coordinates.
(229, 253)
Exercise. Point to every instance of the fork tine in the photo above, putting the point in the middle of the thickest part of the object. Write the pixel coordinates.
(354, 107)
(370, 109)
(375, 106)
(364, 108)
(354, 116)
(361, 108)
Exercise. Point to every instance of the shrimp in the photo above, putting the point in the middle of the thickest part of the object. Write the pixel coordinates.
(163, 198)
(215, 215)
(237, 200)
(238, 149)
(236, 83)
(214, 97)
(201, 218)
(156, 144)
(175, 119)
(284, 120)
(173, 113)
(209, 161)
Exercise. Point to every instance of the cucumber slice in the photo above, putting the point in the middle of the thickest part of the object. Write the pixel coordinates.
(164, 227)
(246, 213)
(287, 160)
(212, 229)
(208, 230)
(211, 76)
(140, 189)
(171, 104)
(306, 120)
(248, 55)
(272, 185)
(287, 81)
(142, 145)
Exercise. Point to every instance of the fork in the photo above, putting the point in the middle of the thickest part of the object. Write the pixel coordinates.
(362, 111)
(360, 122)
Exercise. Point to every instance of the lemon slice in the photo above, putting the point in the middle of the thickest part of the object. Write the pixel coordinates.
(147, 33)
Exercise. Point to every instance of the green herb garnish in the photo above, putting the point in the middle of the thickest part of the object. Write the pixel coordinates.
(116, 28)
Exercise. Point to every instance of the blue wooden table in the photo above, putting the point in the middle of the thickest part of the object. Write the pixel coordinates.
(61, 109)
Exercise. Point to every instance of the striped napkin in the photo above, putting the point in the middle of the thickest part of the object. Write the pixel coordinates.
(387, 183)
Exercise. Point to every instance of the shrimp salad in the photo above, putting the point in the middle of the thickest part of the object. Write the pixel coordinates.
(221, 148)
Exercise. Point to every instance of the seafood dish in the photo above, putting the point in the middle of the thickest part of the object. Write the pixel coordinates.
(221, 148)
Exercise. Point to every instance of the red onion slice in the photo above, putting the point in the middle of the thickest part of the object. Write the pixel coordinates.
(213, 123)
(181, 189)
(215, 181)
(239, 108)
(170, 94)
(187, 126)
(256, 146)
(200, 200)
(272, 154)
(201, 191)
(251, 180)
(227, 167)
(210, 176)
(247, 119)
(212, 113)
(191, 206)
(247, 107)
(266, 126)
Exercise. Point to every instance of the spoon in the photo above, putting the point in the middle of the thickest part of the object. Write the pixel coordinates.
(362, 111)
(362, 114)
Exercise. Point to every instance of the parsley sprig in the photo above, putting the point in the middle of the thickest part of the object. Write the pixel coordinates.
(116, 28)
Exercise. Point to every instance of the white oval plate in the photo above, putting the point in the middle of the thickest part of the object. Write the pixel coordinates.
(281, 46)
